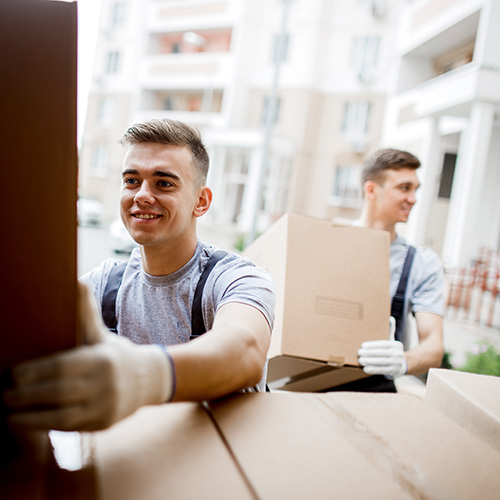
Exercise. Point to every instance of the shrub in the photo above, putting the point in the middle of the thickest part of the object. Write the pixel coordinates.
(483, 359)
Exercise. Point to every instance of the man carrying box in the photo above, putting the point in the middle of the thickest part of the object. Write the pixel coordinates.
(390, 184)
(155, 302)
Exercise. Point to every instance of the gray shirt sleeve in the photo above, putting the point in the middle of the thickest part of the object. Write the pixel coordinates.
(427, 283)
(235, 279)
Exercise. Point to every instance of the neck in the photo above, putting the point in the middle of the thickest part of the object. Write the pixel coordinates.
(369, 219)
(161, 261)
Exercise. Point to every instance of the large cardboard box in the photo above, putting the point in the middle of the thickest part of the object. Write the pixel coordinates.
(332, 291)
(472, 401)
(294, 446)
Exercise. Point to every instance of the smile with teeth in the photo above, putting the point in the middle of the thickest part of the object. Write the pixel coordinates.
(145, 216)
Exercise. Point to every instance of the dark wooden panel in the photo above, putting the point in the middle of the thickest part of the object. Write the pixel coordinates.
(38, 161)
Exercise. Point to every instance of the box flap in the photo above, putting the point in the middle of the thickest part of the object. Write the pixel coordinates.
(417, 445)
(473, 401)
(288, 452)
(300, 374)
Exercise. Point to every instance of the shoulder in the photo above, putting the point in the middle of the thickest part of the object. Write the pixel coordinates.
(428, 260)
(97, 278)
(229, 262)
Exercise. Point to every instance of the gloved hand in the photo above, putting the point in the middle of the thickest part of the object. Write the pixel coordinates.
(383, 357)
(92, 386)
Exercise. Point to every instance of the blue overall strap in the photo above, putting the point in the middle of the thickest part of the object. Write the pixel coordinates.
(108, 306)
(197, 324)
(398, 301)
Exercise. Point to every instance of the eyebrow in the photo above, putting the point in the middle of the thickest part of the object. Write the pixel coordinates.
(156, 173)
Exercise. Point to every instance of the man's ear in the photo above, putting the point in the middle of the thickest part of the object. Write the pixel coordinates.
(204, 201)
(369, 189)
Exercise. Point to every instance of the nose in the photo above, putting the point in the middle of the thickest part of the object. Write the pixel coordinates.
(412, 197)
(144, 195)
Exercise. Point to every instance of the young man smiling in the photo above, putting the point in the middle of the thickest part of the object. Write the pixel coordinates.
(152, 359)
(390, 185)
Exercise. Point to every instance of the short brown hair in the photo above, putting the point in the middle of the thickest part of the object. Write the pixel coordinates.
(173, 132)
(384, 159)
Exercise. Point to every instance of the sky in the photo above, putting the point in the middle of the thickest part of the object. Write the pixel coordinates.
(88, 19)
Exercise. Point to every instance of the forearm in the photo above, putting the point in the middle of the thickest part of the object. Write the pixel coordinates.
(423, 357)
(429, 353)
(226, 359)
(205, 371)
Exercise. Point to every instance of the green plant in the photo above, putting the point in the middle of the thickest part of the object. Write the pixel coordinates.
(446, 361)
(241, 242)
(483, 359)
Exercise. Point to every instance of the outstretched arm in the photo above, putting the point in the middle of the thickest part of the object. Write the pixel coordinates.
(92, 386)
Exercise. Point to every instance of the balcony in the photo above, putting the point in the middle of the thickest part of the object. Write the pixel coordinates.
(190, 71)
(452, 93)
(171, 16)
(436, 26)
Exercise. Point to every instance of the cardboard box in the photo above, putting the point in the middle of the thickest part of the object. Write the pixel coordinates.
(332, 291)
(294, 446)
(354, 445)
(472, 401)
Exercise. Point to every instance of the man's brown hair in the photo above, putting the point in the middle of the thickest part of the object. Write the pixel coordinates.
(173, 132)
(384, 159)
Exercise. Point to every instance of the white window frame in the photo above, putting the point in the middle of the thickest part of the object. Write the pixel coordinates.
(356, 119)
(346, 186)
(112, 62)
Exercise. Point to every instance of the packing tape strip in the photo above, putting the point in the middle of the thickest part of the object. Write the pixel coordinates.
(336, 361)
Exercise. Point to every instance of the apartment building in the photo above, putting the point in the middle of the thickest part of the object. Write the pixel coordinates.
(288, 94)
(446, 109)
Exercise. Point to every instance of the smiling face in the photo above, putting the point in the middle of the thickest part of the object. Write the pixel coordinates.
(160, 198)
(394, 197)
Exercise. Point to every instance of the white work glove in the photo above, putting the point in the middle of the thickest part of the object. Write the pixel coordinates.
(92, 386)
(383, 357)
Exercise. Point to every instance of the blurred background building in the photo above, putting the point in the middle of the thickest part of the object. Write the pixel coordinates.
(292, 95)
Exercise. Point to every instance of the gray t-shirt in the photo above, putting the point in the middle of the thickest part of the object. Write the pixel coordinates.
(157, 309)
(425, 288)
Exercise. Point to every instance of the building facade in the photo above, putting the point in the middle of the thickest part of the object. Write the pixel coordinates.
(288, 94)
(446, 109)
(292, 95)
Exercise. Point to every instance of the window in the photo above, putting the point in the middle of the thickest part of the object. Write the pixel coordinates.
(280, 53)
(446, 183)
(236, 167)
(169, 104)
(364, 55)
(117, 17)
(99, 166)
(356, 119)
(105, 111)
(112, 62)
(266, 109)
(276, 186)
(346, 185)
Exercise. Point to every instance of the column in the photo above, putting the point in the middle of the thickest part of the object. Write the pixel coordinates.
(461, 237)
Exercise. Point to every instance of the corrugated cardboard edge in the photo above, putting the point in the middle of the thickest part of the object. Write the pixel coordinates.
(457, 401)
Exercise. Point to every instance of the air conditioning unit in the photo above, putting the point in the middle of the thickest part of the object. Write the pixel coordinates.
(379, 8)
